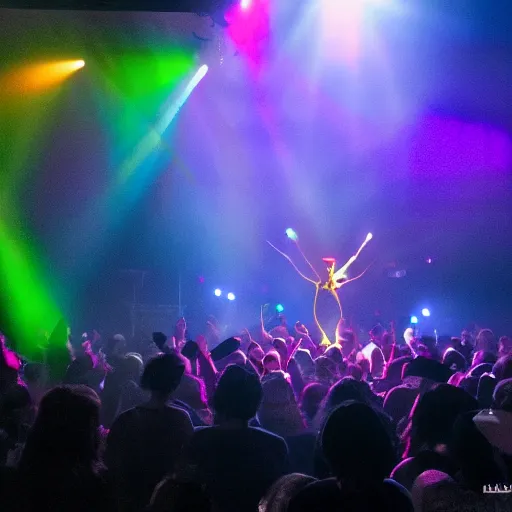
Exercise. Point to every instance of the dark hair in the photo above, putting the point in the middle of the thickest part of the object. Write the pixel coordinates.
(326, 370)
(163, 373)
(172, 495)
(481, 356)
(348, 389)
(311, 398)
(334, 352)
(473, 454)
(502, 397)
(356, 444)
(238, 394)
(65, 430)
(455, 360)
(435, 414)
(278, 497)
(281, 348)
(394, 369)
(345, 389)
(502, 369)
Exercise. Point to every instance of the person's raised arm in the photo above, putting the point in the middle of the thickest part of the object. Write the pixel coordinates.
(206, 367)
(306, 342)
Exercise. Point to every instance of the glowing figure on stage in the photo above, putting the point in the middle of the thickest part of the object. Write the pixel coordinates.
(335, 278)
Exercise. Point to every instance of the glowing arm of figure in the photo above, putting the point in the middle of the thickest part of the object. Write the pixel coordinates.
(342, 272)
(316, 283)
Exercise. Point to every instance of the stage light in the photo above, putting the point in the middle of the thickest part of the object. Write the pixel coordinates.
(245, 4)
(429, 260)
(291, 234)
(231, 296)
(217, 292)
(154, 137)
(425, 312)
(414, 320)
(369, 236)
(279, 308)
(38, 77)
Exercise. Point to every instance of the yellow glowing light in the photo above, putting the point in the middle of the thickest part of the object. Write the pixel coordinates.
(39, 77)
(336, 279)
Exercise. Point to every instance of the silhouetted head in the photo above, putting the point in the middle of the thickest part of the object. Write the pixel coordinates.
(486, 341)
(172, 495)
(504, 346)
(311, 398)
(502, 397)
(278, 497)
(435, 413)
(65, 432)
(481, 357)
(162, 374)
(272, 361)
(454, 360)
(356, 444)
(503, 368)
(238, 394)
(279, 412)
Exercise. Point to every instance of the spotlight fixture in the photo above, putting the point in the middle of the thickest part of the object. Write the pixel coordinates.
(425, 312)
(414, 320)
(218, 292)
(279, 308)
(231, 296)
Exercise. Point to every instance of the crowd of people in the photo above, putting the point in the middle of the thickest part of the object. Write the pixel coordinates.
(268, 422)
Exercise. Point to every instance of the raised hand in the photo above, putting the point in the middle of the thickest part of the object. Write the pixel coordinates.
(301, 329)
(202, 344)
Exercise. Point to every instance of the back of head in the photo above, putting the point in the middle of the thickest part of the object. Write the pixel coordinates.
(172, 495)
(394, 369)
(163, 374)
(326, 370)
(115, 346)
(305, 361)
(278, 497)
(192, 391)
(348, 389)
(281, 348)
(503, 368)
(279, 412)
(238, 394)
(277, 388)
(483, 357)
(435, 414)
(502, 397)
(65, 432)
(131, 366)
(505, 346)
(355, 371)
(486, 341)
(454, 360)
(311, 398)
(356, 444)
(427, 369)
(334, 352)
(473, 454)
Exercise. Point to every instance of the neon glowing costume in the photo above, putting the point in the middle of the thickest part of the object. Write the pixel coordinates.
(335, 278)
